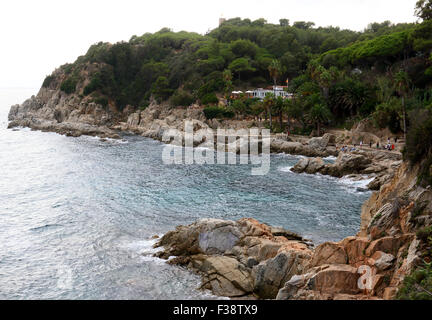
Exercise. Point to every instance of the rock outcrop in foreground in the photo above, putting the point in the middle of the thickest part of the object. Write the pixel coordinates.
(374, 263)
(246, 258)
(237, 259)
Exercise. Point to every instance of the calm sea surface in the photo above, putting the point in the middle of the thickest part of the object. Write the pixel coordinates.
(77, 214)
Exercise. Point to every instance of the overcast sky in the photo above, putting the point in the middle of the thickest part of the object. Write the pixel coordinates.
(38, 36)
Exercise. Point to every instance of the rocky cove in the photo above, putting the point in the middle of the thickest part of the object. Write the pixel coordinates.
(73, 115)
(247, 259)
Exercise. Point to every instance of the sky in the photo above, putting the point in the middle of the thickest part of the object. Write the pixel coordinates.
(39, 36)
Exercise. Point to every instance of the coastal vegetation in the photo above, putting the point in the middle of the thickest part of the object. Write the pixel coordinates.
(335, 75)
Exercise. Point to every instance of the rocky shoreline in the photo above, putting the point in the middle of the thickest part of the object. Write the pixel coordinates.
(71, 115)
(246, 259)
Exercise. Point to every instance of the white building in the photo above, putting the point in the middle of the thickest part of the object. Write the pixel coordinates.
(278, 91)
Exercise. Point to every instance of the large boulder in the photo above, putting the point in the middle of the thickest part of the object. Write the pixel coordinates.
(226, 276)
(328, 253)
(348, 163)
(309, 165)
(321, 143)
(206, 236)
(337, 278)
(322, 283)
(237, 258)
(271, 275)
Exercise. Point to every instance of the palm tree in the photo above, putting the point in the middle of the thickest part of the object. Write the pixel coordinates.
(227, 79)
(269, 102)
(279, 109)
(318, 115)
(322, 77)
(293, 110)
(275, 69)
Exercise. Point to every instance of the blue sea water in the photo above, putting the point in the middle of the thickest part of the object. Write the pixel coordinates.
(77, 214)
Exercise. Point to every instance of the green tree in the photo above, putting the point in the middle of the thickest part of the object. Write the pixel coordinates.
(275, 69)
(238, 107)
(318, 115)
(279, 109)
(227, 79)
(284, 22)
(269, 102)
(257, 108)
(402, 84)
(244, 48)
(161, 89)
(294, 110)
(241, 65)
(423, 9)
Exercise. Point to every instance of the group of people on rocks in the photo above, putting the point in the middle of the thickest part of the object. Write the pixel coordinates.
(389, 146)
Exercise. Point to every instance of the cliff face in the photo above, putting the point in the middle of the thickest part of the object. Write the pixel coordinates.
(374, 263)
(53, 110)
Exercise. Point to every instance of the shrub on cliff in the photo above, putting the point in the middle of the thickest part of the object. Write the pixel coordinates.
(419, 136)
(418, 285)
(209, 98)
(182, 98)
(95, 83)
(418, 148)
(161, 89)
(48, 80)
(69, 85)
(213, 112)
(103, 101)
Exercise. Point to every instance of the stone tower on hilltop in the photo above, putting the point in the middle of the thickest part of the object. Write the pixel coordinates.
(221, 20)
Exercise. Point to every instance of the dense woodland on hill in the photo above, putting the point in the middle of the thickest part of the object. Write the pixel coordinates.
(337, 76)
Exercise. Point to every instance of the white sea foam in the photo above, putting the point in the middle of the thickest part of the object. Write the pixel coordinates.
(142, 247)
(286, 169)
(330, 158)
(106, 140)
(357, 184)
(351, 185)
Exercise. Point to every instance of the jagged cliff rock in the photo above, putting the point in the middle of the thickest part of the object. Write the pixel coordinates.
(386, 247)
(237, 259)
(71, 114)
(244, 258)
